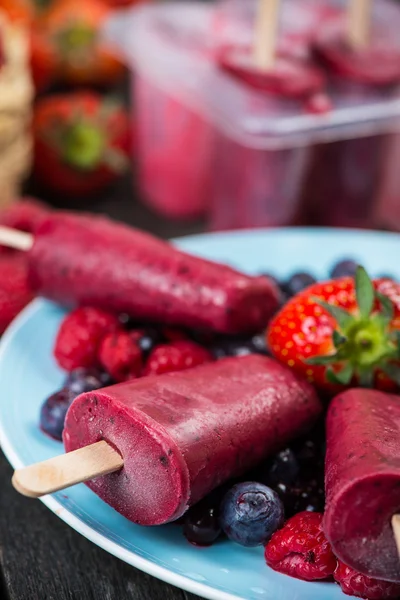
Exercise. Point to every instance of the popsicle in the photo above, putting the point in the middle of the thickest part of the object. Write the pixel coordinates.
(362, 481)
(347, 174)
(182, 434)
(78, 260)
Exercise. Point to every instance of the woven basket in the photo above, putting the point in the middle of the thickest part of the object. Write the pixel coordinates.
(16, 95)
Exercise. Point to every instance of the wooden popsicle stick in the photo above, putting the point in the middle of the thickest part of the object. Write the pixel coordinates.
(67, 469)
(359, 23)
(396, 531)
(265, 33)
(13, 238)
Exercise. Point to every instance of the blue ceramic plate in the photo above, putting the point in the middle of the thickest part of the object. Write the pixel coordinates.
(28, 374)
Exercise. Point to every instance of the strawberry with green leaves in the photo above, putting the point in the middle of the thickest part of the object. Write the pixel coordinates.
(342, 332)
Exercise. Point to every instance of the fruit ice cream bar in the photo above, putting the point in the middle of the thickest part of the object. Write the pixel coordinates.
(81, 260)
(357, 77)
(362, 481)
(183, 434)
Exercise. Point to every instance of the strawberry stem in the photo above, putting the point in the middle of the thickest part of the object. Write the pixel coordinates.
(83, 145)
(364, 341)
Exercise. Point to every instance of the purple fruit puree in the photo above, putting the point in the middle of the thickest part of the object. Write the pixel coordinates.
(362, 481)
(79, 260)
(183, 434)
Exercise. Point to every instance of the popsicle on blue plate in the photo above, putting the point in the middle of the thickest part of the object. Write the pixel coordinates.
(182, 434)
(362, 481)
(77, 260)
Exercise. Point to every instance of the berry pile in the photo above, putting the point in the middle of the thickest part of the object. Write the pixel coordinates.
(279, 504)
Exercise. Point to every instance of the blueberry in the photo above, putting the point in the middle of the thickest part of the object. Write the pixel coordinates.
(344, 268)
(232, 346)
(297, 283)
(201, 526)
(147, 339)
(53, 411)
(259, 343)
(85, 380)
(250, 513)
(283, 468)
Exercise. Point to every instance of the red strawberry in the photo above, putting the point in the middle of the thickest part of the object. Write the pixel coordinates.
(81, 142)
(342, 332)
(14, 291)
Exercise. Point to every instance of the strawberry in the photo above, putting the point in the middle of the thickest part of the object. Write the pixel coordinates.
(342, 332)
(73, 30)
(81, 142)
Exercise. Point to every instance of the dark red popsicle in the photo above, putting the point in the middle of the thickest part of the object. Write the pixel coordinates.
(183, 434)
(362, 481)
(81, 260)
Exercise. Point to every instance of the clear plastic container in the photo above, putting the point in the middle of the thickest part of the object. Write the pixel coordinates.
(248, 157)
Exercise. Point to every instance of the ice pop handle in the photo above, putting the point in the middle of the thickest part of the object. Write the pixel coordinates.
(67, 469)
(396, 531)
(13, 238)
(359, 23)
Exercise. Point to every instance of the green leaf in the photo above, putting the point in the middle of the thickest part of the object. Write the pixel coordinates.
(392, 371)
(338, 339)
(322, 360)
(343, 318)
(387, 306)
(365, 292)
(366, 378)
(342, 377)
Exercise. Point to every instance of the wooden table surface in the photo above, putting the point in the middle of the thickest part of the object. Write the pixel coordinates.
(41, 557)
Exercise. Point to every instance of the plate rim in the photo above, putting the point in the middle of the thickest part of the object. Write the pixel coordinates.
(129, 557)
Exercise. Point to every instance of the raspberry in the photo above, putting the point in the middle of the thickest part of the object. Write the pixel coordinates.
(357, 584)
(120, 356)
(176, 356)
(80, 335)
(300, 549)
(14, 291)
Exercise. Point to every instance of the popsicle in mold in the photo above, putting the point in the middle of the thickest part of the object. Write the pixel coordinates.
(362, 481)
(88, 260)
(180, 435)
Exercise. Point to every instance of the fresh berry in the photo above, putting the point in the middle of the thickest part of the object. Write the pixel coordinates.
(147, 339)
(26, 215)
(342, 332)
(176, 356)
(283, 468)
(14, 290)
(201, 526)
(250, 513)
(120, 356)
(80, 335)
(303, 496)
(344, 268)
(238, 346)
(53, 411)
(356, 584)
(300, 549)
(81, 142)
(73, 29)
(85, 380)
(297, 283)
